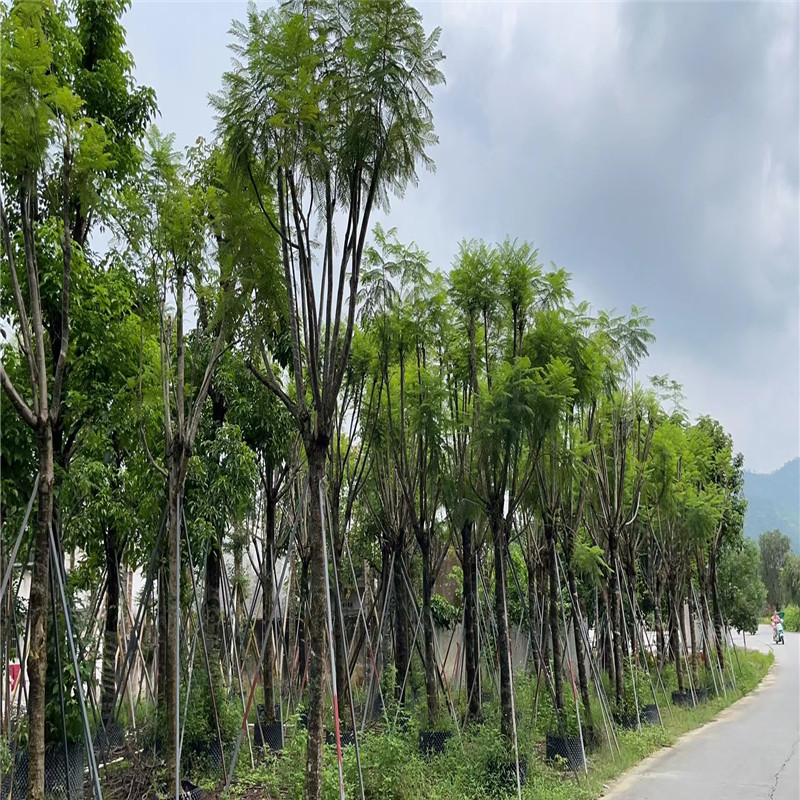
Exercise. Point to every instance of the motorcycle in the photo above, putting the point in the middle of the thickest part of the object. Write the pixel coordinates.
(777, 634)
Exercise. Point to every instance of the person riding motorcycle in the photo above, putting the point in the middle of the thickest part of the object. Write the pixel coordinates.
(777, 628)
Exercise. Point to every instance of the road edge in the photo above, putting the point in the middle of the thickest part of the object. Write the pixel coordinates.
(622, 782)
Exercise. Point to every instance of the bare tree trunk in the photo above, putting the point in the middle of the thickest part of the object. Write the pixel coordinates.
(501, 617)
(212, 603)
(37, 611)
(317, 625)
(693, 642)
(431, 688)
(577, 623)
(302, 629)
(401, 628)
(558, 678)
(267, 596)
(339, 648)
(659, 625)
(615, 619)
(109, 680)
(719, 624)
(171, 682)
(469, 592)
(674, 639)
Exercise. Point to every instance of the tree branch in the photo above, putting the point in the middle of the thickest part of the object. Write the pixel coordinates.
(13, 395)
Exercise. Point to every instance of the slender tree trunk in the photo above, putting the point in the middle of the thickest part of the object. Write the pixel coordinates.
(431, 688)
(693, 642)
(615, 626)
(339, 648)
(401, 632)
(719, 625)
(577, 624)
(558, 678)
(171, 683)
(317, 623)
(212, 603)
(302, 629)
(469, 592)
(543, 583)
(606, 645)
(674, 640)
(659, 625)
(501, 617)
(37, 611)
(267, 596)
(109, 680)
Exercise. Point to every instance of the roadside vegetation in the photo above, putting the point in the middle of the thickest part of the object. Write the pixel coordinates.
(269, 472)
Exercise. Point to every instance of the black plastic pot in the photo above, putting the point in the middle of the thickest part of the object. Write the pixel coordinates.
(627, 721)
(58, 781)
(209, 753)
(650, 715)
(682, 698)
(268, 736)
(188, 792)
(702, 695)
(433, 742)
(346, 737)
(568, 748)
(110, 739)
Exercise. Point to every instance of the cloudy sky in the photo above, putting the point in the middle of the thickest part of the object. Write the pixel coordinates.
(649, 148)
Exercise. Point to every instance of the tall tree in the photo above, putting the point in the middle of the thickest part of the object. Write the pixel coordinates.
(58, 155)
(775, 547)
(330, 103)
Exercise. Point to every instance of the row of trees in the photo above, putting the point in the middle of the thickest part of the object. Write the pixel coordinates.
(252, 351)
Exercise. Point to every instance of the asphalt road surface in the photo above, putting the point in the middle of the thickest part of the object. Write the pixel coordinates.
(750, 752)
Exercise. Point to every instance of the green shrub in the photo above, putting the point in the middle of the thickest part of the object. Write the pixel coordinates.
(791, 619)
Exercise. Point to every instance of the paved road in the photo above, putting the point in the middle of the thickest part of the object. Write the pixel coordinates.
(751, 752)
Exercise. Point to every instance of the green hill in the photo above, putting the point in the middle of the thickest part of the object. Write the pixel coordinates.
(773, 501)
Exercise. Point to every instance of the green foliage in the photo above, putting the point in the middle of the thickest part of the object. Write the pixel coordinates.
(70, 723)
(445, 614)
(790, 579)
(791, 618)
(742, 594)
(775, 547)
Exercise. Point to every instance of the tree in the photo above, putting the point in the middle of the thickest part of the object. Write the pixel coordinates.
(330, 104)
(741, 591)
(58, 152)
(790, 579)
(774, 547)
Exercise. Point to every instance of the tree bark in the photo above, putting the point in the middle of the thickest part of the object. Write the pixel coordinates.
(109, 680)
(267, 596)
(719, 625)
(339, 648)
(501, 616)
(558, 679)
(431, 667)
(471, 664)
(674, 640)
(401, 628)
(212, 604)
(577, 624)
(317, 624)
(173, 612)
(37, 611)
(615, 627)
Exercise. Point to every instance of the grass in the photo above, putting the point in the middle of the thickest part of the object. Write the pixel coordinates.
(393, 769)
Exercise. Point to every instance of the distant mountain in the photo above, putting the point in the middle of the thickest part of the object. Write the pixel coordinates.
(773, 501)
